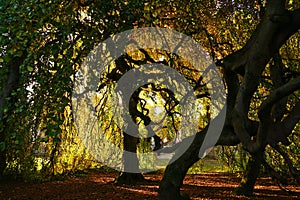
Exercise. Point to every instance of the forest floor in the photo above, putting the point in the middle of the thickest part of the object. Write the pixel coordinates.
(97, 185)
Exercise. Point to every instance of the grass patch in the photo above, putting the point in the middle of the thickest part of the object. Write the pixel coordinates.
(207, 165)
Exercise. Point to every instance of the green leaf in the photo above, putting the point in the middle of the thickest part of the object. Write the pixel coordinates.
(6, 58)
(5, 110)
(19, 53)
(2, 146)
(44, 140)
(56, 140)
(29, 68)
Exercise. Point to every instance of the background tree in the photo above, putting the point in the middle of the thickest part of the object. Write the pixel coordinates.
(42, 46)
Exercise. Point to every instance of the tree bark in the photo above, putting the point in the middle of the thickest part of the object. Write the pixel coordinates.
(246, 186)
(169, 188)
(131, 173)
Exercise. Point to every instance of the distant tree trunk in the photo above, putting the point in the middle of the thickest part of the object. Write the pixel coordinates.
(247, 184)
(131, 173)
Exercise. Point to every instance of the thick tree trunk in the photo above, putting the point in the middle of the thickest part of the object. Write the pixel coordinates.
(247, 184)
(169, 188)
(131, 173)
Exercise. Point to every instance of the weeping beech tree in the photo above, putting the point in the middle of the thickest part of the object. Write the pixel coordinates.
(243, 72)
(254, 43)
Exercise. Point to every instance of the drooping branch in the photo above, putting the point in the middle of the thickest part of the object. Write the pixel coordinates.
(11, 84)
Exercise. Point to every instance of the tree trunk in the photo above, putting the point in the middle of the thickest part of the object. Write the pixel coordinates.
(127, 178)
(169, 188)
(131, 173)
(247, 184)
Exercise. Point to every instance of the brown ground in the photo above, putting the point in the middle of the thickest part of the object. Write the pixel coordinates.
(98, 186)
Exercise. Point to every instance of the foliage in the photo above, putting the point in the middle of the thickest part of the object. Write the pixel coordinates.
(45, 43)
(50, 38)
(234, 158)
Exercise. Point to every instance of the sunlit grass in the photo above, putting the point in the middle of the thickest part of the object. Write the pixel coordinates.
(207, 165)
